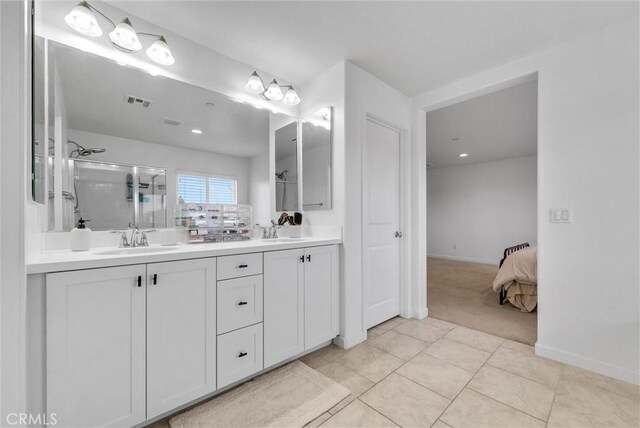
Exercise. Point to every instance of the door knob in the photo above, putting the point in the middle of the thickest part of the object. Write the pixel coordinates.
(398, 234)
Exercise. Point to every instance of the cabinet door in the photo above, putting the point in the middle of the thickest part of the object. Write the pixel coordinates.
(321, 283)
(283, 305)
(181, 333)
(96, 346)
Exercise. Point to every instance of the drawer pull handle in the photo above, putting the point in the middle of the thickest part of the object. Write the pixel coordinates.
(242, 303)
(139, 281)
(242, 354)
(154, 279)
(242, 266)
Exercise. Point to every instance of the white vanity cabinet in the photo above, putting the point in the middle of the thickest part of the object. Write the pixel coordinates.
(283, 305)
(181, 333)
(96, 346)
(300, 301)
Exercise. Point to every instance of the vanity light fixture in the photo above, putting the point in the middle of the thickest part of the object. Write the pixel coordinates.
(196, 131)
(123, 36)
(273, 92)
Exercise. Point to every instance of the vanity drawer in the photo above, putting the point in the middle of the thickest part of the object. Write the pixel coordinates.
(239, 265)
(239, 354)
(239, 303)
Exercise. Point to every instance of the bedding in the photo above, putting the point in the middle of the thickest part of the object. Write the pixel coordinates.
(518, 277)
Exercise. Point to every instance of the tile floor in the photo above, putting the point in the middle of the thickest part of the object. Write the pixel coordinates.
(431, 373)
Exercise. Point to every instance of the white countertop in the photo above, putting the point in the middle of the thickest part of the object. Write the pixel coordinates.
(56, 261)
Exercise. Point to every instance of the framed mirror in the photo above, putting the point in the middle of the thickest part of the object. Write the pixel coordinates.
(316, 135)
(287, 177)
(113, 142)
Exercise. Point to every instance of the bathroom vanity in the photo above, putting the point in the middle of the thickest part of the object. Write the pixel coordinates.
(155, 331)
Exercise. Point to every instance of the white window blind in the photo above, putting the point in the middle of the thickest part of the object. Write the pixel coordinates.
(222, 191)
(203, 189)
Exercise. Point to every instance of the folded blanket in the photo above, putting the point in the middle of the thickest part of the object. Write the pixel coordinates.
(520, 267)
(518, 276)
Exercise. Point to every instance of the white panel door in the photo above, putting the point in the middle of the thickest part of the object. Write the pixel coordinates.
(321, 280)
(381, 221)
(283, 305)
(181, 333)
(96, 347)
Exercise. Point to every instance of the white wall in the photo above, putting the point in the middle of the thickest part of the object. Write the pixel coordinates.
(475, 211)
(259, 189)
(588, 133)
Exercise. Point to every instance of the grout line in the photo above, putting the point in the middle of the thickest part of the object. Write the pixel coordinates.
(380, 413)
(555, 393)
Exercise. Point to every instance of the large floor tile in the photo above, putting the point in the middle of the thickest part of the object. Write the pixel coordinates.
(385, 326)
(472, 409)
(458, 354)
(322, 356)
(437, 375)
(474, 338)
(575, 375)
(440, 424)
(405, 402)
(421, 331)
(527, 365)
(517, 346)
(438, 323)
(520, 393)
(358, 414)
(398, 344)
(589, 400)
(319, 420)
(370, 362)
(347, 378)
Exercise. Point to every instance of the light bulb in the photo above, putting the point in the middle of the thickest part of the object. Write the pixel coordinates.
(291, 97)
(273, 92)
(159, 52)
(125, 37)
(82, 19)
(255, 83)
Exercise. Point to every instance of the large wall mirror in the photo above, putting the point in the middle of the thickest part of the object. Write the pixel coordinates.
(117, 145)
(316, 160)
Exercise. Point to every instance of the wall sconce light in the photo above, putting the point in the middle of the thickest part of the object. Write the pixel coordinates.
(273, 92)
(124, 36)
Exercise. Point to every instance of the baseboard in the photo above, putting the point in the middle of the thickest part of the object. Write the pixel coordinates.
(588, 364)
(349, 342)
(463, 259)
(422, 313)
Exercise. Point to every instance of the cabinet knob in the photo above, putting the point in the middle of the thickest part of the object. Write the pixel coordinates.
(242, 303)
(242, 354)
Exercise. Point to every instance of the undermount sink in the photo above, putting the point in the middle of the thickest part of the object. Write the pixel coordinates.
(135, 250)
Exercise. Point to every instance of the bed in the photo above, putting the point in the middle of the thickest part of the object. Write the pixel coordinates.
(517, 281)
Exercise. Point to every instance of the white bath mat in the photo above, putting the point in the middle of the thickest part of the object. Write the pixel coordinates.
(290, 396)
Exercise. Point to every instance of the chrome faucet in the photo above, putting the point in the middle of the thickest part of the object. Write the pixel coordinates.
(273, 232)
(137, 237)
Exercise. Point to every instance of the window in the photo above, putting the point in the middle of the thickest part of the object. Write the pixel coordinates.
(205, 189)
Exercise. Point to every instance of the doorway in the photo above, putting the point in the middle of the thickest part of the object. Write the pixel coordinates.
(381, 222)
(482, 200)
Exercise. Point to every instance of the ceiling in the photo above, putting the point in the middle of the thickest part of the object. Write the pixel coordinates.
(413, 46)
(95, 91)
(499, 125)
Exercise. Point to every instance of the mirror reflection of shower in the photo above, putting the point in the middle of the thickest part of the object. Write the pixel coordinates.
(281, 178)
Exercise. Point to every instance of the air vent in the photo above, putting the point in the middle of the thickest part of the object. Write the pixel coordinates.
(172, 122)
(136, 101)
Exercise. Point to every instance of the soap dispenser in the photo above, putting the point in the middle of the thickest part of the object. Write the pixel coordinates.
(81, 237)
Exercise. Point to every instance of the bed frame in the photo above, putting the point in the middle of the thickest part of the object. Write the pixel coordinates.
(507, 251)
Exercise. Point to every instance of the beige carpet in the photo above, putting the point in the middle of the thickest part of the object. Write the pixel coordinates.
(461, 293)
(290, 396)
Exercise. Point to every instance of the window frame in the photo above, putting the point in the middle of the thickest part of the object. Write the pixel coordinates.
(207, 176)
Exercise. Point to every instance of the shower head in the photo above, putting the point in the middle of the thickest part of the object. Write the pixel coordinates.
(84, 152)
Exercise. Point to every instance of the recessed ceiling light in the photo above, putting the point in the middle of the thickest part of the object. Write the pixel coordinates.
(463, 155)
(196, 131)
(455, 139)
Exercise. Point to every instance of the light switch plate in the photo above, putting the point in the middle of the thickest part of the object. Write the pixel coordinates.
(561, 215)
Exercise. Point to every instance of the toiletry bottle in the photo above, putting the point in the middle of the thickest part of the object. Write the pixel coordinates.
(80, 237)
